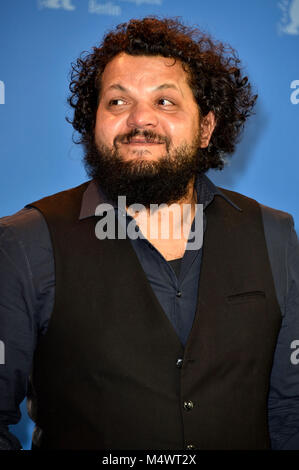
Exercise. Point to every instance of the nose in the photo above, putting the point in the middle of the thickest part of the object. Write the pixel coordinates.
(142, 115)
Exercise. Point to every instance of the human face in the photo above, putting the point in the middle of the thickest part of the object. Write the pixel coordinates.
(145, 93)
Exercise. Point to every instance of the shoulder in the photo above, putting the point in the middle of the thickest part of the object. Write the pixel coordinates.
(27, 225)
(62, 206)
(276, 222)
(61, 197)
(25, 242)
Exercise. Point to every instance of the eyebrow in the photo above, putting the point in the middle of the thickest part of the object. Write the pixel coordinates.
(118, 86)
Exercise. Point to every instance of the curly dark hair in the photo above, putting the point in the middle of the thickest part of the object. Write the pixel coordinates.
(213, 70)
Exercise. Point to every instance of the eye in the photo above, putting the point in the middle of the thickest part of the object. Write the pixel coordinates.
(116, 102)
(165, 102)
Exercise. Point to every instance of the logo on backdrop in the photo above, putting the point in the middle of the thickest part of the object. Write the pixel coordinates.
(56, 4)
(94, 6)
(104, 8)
(295, 94)
(2, 92)
(289, 22)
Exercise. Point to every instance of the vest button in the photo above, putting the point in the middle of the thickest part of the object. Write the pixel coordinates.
(190, 447)
(188, 405)
(179, 294)
(179, 363)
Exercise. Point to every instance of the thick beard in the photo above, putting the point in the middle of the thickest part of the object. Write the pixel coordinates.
(140, 180)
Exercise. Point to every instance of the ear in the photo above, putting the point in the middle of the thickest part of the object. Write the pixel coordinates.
(207, 126)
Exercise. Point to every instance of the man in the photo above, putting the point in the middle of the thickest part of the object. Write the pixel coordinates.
(145, 342)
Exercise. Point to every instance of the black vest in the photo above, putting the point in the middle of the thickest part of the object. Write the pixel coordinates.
(106, 374)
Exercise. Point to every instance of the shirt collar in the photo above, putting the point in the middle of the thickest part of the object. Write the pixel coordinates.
(94, 195)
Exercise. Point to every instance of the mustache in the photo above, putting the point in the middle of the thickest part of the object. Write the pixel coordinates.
(148, 135)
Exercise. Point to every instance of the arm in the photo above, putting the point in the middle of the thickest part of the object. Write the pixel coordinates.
(283, 402)
(26, 296)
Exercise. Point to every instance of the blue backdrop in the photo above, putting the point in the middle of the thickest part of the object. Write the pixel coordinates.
(39, 40)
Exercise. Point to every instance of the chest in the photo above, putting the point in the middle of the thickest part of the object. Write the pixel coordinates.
(169, 249)
(167, 230)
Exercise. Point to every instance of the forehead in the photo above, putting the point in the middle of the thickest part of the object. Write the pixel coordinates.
(143, 70)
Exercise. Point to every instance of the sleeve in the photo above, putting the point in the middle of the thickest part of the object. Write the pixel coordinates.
(283, 402)
(26, 299)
